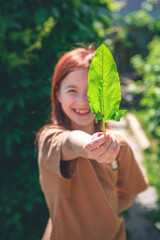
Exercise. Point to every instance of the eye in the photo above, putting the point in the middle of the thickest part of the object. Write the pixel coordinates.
(71, 91)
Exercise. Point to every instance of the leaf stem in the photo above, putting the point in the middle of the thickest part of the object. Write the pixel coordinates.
(104, 129)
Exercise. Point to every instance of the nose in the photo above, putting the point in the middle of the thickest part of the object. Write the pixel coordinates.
(83, 98)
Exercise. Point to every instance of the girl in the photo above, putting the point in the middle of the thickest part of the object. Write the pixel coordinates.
(85, 193)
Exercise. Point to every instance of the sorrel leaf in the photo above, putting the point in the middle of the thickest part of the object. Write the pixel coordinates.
(104, 90)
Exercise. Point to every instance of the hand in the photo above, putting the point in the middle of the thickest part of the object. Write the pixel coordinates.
(102, 147)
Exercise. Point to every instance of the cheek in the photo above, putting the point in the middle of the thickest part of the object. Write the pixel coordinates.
(66, 100)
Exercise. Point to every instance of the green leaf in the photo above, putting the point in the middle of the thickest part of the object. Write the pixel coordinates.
(104, 90)
(157, 224)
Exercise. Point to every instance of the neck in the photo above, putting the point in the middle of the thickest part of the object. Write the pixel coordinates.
(88, 129)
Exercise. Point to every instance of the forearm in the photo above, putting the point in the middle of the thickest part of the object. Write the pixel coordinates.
(72, 145)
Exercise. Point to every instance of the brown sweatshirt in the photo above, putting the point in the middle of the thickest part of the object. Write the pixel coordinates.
(85, 198)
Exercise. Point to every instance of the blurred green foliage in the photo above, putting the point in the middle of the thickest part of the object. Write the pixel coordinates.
(149, 69)
(129, 34)
(32, 36)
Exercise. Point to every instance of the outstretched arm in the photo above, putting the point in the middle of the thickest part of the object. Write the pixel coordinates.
(101, 147)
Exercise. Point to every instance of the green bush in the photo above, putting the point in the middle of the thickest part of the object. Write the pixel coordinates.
(129, 35)
(32, 36)
(149, 69)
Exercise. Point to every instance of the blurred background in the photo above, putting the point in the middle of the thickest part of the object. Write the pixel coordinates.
(33, 35)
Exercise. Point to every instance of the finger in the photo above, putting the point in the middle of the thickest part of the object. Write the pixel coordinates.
(112, 147)
(97, 134)
(110, 154)
(112, 142)
(113, 154)
(103, 147)
(106, 149)
(95, 143)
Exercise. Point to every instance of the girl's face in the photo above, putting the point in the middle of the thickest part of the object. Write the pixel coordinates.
(74, 101)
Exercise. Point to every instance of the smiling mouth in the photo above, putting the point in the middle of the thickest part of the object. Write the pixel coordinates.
(82, 111)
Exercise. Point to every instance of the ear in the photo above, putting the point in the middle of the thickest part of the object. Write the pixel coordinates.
(58, 95)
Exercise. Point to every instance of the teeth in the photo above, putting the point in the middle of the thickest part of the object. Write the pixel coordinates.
(82, 111)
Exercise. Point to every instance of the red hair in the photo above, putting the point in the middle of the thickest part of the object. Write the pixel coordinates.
(79, 58)
(71, 61)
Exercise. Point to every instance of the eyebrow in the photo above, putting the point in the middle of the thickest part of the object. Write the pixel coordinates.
(70, 86)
